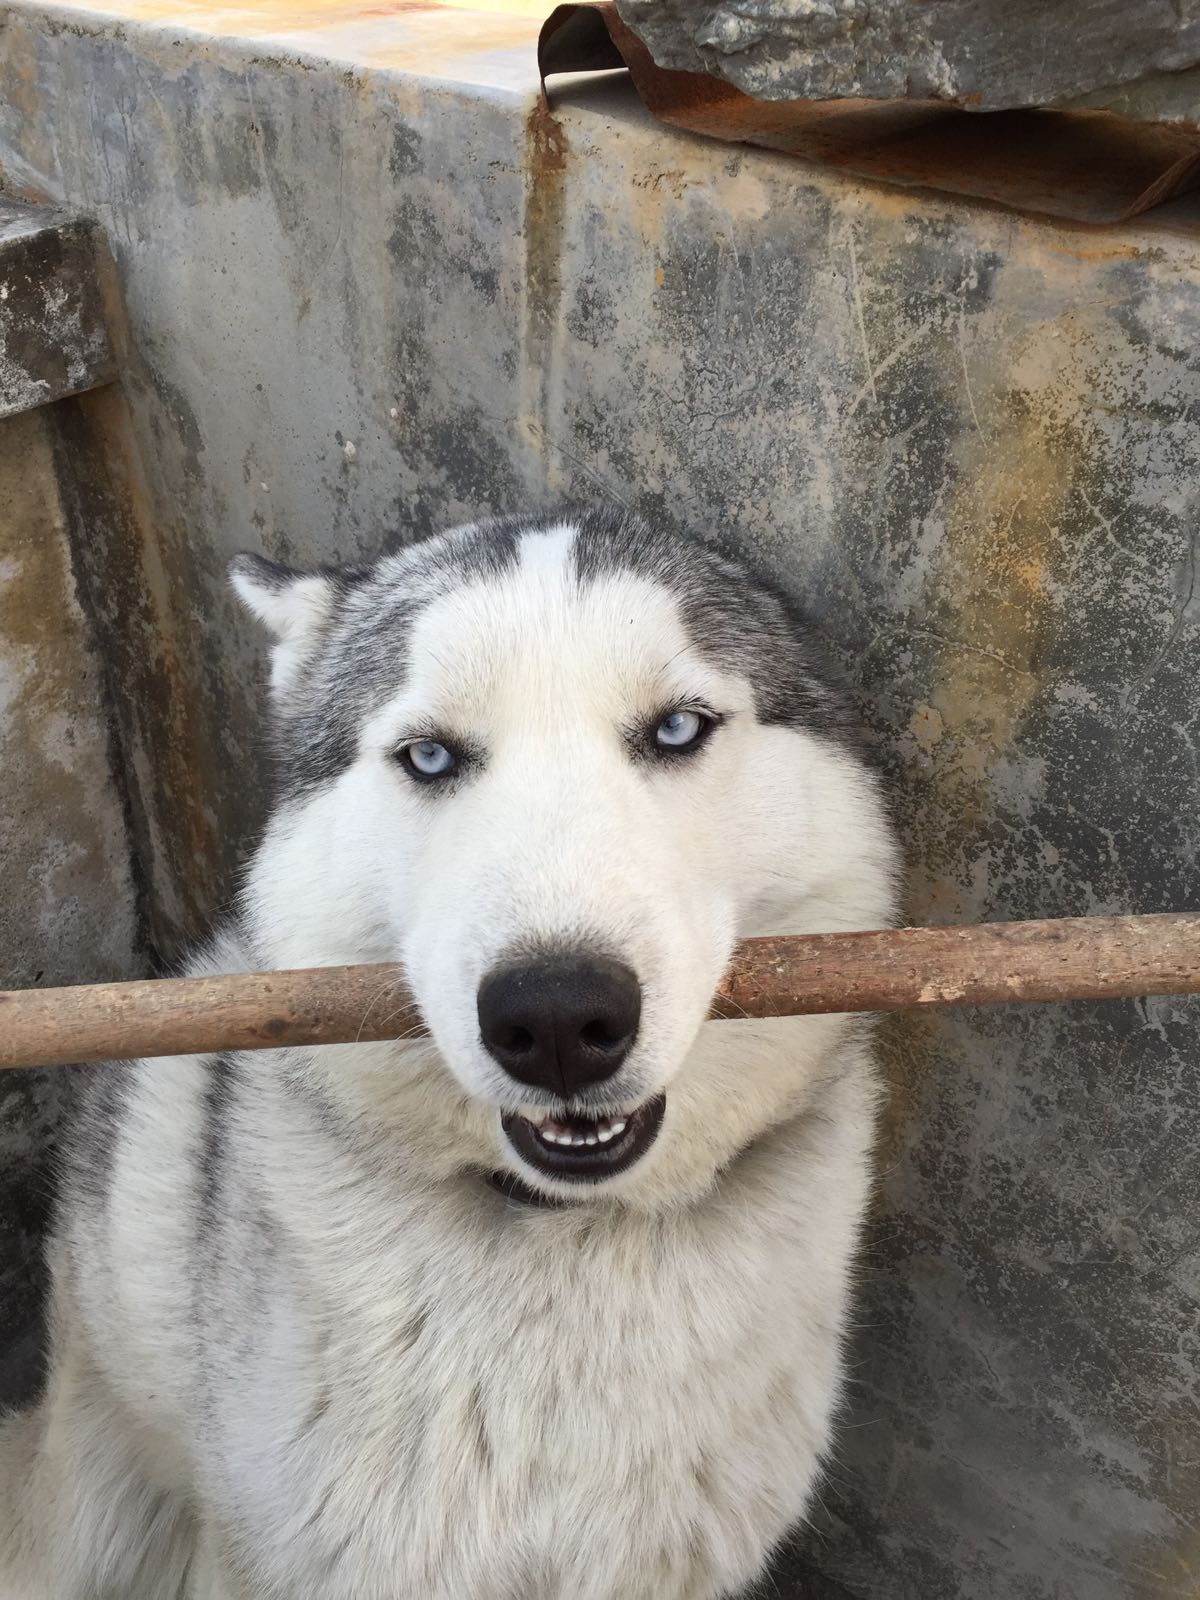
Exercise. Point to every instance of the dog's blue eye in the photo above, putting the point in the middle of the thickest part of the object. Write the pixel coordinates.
(425, 758)
(680, 730)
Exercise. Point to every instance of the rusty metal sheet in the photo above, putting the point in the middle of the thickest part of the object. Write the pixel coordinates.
(1083, 166)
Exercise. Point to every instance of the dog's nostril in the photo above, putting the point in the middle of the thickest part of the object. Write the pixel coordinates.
(599, 1036)
(562, 1022)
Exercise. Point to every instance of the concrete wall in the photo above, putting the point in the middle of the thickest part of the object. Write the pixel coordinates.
(366, 301)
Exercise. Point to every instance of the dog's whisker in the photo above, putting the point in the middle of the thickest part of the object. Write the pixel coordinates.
(415, 1031)
(387, 989)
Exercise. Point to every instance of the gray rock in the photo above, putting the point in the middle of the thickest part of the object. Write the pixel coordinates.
(981, 54)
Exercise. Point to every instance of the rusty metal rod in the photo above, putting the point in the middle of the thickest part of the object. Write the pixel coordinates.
(1084, 958)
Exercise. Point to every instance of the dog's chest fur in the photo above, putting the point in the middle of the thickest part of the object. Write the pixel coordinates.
(484, 1400)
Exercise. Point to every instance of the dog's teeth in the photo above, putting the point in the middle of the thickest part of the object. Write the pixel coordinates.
(603, 1131)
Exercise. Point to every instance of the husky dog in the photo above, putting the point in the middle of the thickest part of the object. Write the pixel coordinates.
(547, 1305)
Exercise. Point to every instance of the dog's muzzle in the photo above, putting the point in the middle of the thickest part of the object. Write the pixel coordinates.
(563, 1022)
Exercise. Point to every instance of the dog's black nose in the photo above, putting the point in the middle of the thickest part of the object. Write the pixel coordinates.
(560, 1023)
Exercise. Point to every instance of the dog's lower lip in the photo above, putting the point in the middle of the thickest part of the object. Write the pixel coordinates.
(582, 1148)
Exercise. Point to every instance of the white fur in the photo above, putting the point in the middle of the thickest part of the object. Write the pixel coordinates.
(398, 1385)
(295, 615)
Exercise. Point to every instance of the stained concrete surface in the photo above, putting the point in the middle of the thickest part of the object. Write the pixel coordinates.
(365, 303)
(67, 910)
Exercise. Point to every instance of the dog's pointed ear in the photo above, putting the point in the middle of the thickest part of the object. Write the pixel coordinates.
(294, 606)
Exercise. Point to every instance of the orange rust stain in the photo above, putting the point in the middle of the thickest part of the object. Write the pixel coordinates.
(1084, 243)
(545, 201)
(546, 166)
(990, 613)
(674, 180)
(547, 144)
(56, 752)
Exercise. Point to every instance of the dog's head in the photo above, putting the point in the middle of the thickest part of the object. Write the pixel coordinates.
(557, 769)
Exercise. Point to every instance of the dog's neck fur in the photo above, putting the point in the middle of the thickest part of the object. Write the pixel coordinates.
(509, 1187)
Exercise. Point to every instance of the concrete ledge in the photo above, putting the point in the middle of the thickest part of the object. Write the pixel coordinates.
(53, 340)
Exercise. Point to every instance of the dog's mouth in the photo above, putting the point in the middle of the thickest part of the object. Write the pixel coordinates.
(586, 1148)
